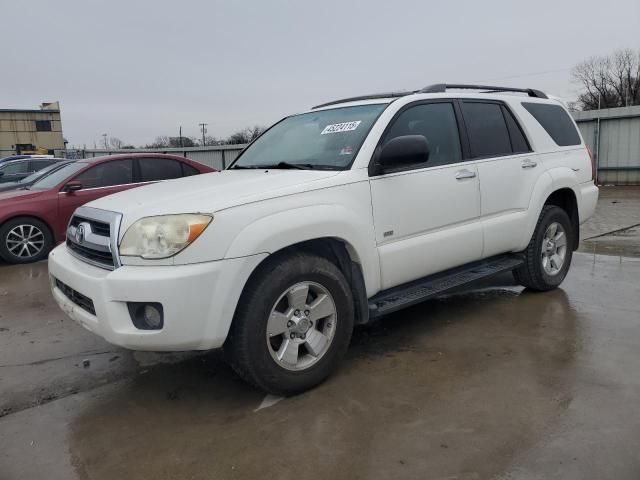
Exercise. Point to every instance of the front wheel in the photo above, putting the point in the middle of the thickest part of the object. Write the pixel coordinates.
(548, 255)
(292, 325)
(24, 240)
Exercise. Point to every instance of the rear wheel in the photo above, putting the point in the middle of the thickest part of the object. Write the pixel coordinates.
(548, 255)
(24, 240)
(292, 325)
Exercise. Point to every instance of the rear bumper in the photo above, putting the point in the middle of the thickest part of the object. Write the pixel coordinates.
(198, 300)
(588, 200)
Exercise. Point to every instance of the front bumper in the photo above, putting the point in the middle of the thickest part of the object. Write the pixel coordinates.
(199, 300)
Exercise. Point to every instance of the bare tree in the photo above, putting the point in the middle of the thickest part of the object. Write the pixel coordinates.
(245, 135)
(609, 81)
(163, 141)
(115, 143)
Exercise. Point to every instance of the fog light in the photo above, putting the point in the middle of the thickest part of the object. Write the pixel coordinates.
(146, 316)
(152, 316)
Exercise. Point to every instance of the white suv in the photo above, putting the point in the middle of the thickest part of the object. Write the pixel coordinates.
(351, 210)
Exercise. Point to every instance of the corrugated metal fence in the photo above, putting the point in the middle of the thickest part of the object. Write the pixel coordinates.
(219, 156)
(613, 135)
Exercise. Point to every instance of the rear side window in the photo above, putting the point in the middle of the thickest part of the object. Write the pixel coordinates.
(556, 121)
(39, 164)
(487, 129)
(188, 170)
(107, 174)
(437, 123)
(518, 141)
(153, 169)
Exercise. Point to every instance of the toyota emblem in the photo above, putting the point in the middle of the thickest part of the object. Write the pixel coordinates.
(79, 234)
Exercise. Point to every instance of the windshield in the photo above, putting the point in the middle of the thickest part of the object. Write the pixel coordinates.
(41, 173)
(58, 176)
(323, 140)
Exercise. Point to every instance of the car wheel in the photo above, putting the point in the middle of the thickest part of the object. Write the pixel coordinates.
(25, 240)
(293, 324)
(548, 255)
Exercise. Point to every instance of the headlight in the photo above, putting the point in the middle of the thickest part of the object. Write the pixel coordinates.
(162, 236)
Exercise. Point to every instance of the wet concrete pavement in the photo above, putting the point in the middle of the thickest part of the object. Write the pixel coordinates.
(496, 382)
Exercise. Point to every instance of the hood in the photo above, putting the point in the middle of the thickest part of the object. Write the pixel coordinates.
(19, 195)
(212, 192)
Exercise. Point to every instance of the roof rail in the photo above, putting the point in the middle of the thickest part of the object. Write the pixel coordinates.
(442, 87)
(365, 97)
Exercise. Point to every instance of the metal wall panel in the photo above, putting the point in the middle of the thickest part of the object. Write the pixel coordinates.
(618, 152)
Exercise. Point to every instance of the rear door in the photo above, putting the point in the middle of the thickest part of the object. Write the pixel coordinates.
(427, 218)
(98, 181)
(507, 168)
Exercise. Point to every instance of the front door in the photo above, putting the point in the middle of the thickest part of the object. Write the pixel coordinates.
(427, 218)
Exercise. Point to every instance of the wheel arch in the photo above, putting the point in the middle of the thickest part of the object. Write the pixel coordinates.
(566, 199)
(338, 251)
(551, 191)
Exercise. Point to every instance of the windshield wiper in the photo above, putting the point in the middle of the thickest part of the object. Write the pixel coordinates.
(299, 166)
(283, 165)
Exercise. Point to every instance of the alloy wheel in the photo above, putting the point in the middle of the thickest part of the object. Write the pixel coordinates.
(554, 249)
(301, 326)
(25, 241)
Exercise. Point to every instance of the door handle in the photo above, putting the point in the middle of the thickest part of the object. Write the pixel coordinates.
(462, 174)
(529, 164)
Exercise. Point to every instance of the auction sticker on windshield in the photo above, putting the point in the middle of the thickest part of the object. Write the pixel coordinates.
(340, 127)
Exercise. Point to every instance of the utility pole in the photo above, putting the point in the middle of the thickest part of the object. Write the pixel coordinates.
(203, 127)
(180, 135)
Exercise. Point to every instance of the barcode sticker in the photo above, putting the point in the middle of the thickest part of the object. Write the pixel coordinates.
(340, 127)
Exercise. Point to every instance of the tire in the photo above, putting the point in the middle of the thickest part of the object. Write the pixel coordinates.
(269, 304)
(38, 240)
(540, 274)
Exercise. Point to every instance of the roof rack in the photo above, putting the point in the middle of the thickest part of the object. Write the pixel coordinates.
(442, 87)
(437, 88)
(365, 97)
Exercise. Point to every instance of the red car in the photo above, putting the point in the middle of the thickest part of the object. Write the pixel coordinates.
(33, 221)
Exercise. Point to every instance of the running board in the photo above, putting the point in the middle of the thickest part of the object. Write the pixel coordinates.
(422, 289)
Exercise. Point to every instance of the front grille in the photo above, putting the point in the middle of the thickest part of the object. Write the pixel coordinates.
(89, 237)
(96, 256)
(76, 297)
(99, 228)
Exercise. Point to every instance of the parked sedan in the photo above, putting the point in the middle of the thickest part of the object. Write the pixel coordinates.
(33, 178)
(16, 170)
(32, 221)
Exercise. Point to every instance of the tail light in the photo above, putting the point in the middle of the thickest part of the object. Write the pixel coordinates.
(593, 164)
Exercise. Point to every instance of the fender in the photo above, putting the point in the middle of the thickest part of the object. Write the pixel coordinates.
(285, 228)
(552, 180)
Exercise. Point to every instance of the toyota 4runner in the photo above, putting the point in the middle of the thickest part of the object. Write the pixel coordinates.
(331, 218)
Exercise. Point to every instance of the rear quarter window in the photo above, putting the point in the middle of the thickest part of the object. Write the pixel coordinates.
(556, 122)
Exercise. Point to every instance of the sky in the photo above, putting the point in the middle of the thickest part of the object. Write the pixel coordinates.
(136, 69)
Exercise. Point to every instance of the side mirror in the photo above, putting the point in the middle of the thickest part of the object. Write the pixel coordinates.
(403, 151)
(72, 186)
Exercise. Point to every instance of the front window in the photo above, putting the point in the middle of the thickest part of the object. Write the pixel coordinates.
(322, 140)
